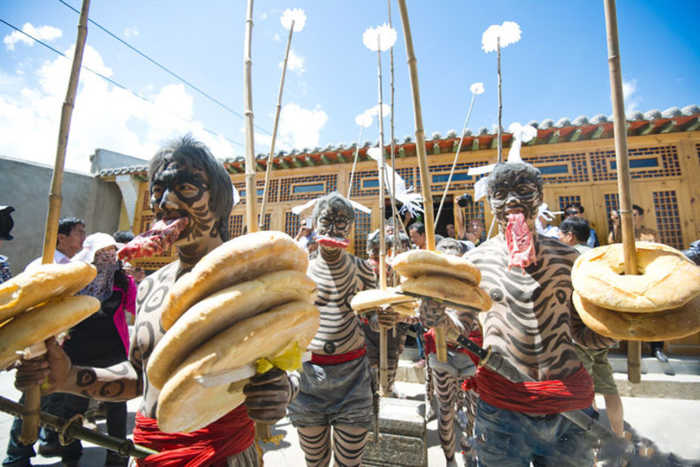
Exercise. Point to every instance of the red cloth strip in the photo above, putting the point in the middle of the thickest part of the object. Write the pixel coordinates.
(319, 359)
(474, 336)
(536, 397)
(208, 446)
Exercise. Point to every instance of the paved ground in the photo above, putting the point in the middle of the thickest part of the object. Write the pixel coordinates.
(673, 425)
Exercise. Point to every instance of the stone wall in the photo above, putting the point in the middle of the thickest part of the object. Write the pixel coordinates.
(25, 186)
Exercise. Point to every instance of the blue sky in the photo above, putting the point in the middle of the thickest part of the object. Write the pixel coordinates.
(558, 69)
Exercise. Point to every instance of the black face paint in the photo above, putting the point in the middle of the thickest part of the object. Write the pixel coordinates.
(515, 188)
(333, 223)
(179, 190)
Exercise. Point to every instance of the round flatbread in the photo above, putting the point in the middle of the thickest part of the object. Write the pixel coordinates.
(241, 259)
(42, 322)
(42, 282)
(373, 298)
(656, 326)
(184, 405)
(217, 312)
(414, 263)
(448, 288)
(667, 279)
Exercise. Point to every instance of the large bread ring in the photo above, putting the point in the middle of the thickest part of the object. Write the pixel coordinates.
(656, 326)
(667, 279)
(448, 289)
(414, 263)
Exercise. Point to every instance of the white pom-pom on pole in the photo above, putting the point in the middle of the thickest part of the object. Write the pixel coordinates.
(295, 16)
(495, 38)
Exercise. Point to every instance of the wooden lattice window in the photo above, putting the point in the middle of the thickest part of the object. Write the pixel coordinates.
(561, 168)
(259, 188)
(668, 222)
(287, 187)
(235, 225)
(291, 224)
(475, 211)
(362, 228)
(648, 162)
(564, 201)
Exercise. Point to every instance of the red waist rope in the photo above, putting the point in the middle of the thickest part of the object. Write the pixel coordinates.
(536, 397)
(320, 359)
(208, 446)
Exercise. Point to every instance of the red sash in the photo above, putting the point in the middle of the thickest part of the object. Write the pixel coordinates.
(474, 336)
(536, 397)
(320, 359)
(208, 446)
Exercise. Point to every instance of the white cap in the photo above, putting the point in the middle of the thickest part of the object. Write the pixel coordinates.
(92, 244)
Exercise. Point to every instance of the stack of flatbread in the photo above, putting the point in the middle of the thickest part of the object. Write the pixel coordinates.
(245, 307)
(662, 302)
(447, 278)
(39, 303)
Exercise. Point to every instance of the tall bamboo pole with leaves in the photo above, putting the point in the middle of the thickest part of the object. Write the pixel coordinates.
(290, 19)
(634, 348)
(440, 343)
(32, 396)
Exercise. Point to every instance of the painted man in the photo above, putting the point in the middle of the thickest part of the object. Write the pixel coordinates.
(532, 324)
(334, 403)
(187, 186)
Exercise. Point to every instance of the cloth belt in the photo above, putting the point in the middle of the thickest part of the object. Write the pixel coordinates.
(209, 446)
(319, 359)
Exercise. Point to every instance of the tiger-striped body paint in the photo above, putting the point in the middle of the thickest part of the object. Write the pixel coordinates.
(339, 276)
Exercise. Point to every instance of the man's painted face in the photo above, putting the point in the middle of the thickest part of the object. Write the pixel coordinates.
(513, 192)
(333, 222)
(179, 190)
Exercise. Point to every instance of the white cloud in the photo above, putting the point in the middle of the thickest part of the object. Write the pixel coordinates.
(104, 117)
(43, 33)
(299, 127)
(276, 37)
(264, 15)
(131, 31)
(632, 99)
(294, 63)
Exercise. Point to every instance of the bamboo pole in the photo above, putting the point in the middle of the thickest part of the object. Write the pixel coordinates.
(634, 348)
(454, 161)
(250, 188)
(394, 211)
(32, 396)
(500, 103)
(440, 344)
(383, 338)
(268, 168)
(354, 161)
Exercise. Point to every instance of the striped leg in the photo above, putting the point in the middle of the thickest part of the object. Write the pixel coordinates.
(446, 388)
(348, 444)
(315, 442)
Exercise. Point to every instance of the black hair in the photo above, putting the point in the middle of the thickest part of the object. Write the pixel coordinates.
(511, 170)
(6, 222)
(577, 226)
(123, 236)
(639, 209)
(418, 227)
(576, 206)
(373, 241)
(66, 225)
(336, 201)
(693, 252)
(196, 154)
(451, 246)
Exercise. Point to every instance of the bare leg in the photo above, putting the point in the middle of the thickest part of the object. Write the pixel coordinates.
(348, 444)
(315, 441)
(613, 405)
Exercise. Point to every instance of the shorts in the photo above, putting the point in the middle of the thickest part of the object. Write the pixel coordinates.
(505, 438)
(458, 364)
(333, 395)
(597, 365)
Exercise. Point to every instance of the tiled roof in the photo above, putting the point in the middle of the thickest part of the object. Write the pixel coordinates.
(548, 132)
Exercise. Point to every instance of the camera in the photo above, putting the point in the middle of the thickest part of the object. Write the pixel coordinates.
(465, 200)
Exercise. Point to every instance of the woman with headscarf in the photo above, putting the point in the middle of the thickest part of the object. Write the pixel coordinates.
(102, 339)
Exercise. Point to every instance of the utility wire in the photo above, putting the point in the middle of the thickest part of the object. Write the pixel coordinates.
(164, 68)
(110, 80)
